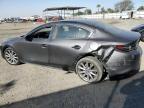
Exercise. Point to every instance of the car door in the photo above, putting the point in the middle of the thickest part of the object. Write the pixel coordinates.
(35, 46)
(67, 43)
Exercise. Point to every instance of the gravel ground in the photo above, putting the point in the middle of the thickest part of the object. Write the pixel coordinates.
(35, 86)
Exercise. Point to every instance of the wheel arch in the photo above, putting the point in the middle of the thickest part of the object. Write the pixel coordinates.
(85, 55)
(3, 49)
(7, 46)
(96, 63)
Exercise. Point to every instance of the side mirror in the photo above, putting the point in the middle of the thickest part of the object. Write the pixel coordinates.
(28, 38)
(22, 36)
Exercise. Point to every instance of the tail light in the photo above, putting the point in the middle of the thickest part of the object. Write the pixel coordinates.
(120, 47)
(127, 48)
(123, 48)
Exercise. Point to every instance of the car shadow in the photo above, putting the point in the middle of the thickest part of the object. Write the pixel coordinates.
(5, 87)
(134, 92)
(126, 93)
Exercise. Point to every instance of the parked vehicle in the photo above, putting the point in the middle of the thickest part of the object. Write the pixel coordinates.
(140, 29)
(40, 20)
(14, 20)
(8, 21)
(54, 18)
(18, 21)
(127, 14)
(88, 47)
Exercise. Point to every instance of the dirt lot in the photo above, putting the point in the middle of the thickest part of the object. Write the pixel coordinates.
(34, 86)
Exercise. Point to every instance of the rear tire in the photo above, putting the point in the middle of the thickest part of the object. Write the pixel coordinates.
(89, 69)
(11, 56)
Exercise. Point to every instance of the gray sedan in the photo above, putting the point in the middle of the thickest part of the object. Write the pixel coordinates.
(90, 48)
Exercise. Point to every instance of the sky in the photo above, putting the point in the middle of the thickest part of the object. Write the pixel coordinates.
(23, 8)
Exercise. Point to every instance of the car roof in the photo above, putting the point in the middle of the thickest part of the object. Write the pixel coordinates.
(87, 22)
(95, 25)
(107, 28)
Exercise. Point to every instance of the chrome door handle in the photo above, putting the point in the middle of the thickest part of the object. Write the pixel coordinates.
(76, 47)
(44, 45)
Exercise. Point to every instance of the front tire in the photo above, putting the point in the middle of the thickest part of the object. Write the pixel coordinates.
(11, 56)
(89, 69)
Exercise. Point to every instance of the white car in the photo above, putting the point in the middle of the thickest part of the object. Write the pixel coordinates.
(127, 14)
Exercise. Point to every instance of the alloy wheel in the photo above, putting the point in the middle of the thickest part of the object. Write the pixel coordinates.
(11, 56)
(87, 71)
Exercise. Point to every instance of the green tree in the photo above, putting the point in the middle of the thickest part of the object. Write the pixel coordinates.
(109, 10)
(103, 11)
(79, 13)
(88, 11)
(124, 5)
(98, 6)
(140, 8)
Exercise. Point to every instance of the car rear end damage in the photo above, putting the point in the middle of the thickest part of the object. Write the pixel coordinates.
(121, 54)
(125, 58)
(123, 62)
(117, 62)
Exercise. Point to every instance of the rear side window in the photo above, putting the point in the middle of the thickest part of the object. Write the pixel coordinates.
(70, 32)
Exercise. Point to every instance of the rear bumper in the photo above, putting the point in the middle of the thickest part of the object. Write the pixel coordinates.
(124, 62)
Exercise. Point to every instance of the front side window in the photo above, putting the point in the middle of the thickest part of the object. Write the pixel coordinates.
(43, 33)
(70, 32)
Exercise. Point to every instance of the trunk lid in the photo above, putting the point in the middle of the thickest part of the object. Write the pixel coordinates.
(121, 35)
(116, 34)
(129, 40)
(122, 39)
